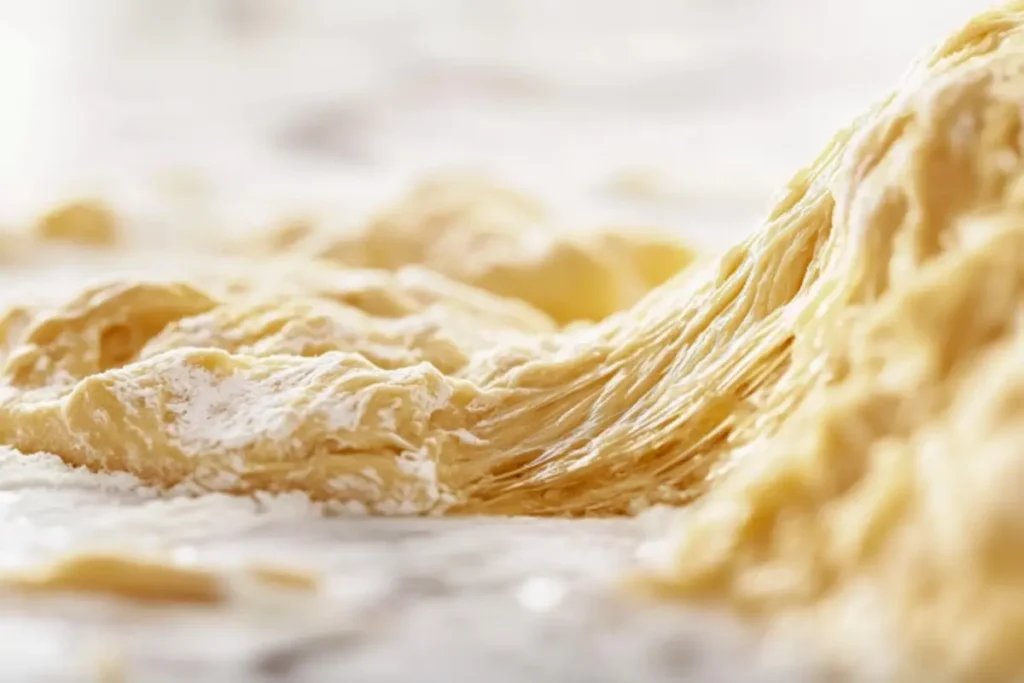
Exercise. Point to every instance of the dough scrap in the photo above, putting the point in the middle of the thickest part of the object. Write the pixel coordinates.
(150, 580)
(83, 222)
(138, 580)
(840, 396)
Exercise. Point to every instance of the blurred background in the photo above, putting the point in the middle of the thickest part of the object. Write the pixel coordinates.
(225, 114)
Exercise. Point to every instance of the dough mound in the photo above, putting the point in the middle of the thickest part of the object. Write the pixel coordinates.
(876, 454)
(502, 241)
(840, 396)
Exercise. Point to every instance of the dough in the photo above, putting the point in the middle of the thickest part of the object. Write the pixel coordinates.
(149, 580)
(840, 396)
(83, 222)
(874, 473)
(143, 581)
(499, 240)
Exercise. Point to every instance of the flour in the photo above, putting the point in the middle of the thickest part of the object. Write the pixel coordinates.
(237, 416)
(211, 410)
(31, 475)
(45, 471)
(346, 413)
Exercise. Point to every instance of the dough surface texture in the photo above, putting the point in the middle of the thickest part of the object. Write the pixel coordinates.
(501, 241)
(366, 372)
(839, 398)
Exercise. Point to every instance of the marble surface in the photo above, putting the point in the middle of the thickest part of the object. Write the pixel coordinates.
(209, 116)
(401, 600)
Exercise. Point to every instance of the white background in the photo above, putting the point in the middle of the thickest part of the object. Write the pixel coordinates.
(247, 108)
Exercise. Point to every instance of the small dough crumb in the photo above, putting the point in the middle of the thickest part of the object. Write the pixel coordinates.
(149, 580)
(640, 184)
(124, 577)
(84, 223)
(290, 579)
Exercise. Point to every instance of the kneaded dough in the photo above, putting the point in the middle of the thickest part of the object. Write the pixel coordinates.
(841, 395)
(499, 240)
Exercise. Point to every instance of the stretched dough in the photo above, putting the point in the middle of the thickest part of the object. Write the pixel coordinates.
(873, 497)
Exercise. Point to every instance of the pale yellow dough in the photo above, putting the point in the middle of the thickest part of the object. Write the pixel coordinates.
(149, 580)
(845, 387)
(82, 222)
(501, 241)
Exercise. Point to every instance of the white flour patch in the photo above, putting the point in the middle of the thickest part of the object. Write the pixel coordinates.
(47, 507)
(215, 413)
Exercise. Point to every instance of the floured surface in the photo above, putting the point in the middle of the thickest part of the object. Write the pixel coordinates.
(535, 592)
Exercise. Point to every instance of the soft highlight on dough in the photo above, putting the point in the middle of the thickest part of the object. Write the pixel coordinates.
(840, 396)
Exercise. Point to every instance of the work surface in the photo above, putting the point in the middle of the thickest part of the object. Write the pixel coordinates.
(406, 600)
(716, 109)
